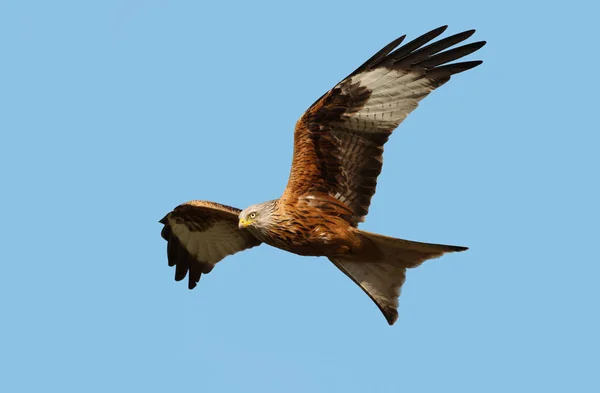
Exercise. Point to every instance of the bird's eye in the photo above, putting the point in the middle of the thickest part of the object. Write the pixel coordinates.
(252, 215)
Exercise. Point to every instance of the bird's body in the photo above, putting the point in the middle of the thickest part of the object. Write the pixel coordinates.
(338, 155)
(318, 229)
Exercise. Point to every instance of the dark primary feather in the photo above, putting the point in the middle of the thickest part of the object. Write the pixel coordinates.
(377, 57)
(438, 46)
(184, 262)
(411, 47)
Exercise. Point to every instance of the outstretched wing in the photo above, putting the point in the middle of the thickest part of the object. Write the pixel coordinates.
(200, 234)
(338, 142)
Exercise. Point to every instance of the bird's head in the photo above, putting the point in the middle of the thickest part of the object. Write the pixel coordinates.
(257, 216)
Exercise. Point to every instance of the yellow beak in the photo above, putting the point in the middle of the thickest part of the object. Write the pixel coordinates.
(243, 223)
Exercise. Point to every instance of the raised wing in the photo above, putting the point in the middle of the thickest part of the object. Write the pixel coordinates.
(200, 234)
(338, 142)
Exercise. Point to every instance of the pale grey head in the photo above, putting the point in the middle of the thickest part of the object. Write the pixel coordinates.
(257, 218)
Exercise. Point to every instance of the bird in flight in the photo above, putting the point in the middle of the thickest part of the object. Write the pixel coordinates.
(338, 149)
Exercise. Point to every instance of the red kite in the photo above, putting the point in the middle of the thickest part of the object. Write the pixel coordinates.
(338, 155)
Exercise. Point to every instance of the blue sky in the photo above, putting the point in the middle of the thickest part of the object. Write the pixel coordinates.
(114, 112)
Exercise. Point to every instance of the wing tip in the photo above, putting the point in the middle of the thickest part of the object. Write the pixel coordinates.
(395, 55)
(439, 30)
(478, 44)
(460, 248)
(193, 279)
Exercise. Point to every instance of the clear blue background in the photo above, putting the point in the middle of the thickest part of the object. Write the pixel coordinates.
(114, 112)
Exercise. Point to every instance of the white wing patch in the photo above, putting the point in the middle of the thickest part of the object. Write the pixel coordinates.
(211, 245)
(394, 94)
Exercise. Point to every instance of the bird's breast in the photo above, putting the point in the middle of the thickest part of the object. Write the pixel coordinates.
(307, 230)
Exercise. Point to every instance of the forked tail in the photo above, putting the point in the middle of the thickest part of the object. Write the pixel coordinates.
(382, 276)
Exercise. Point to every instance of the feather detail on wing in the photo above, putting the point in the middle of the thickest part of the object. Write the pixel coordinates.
(200, 234)
(338, 142)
